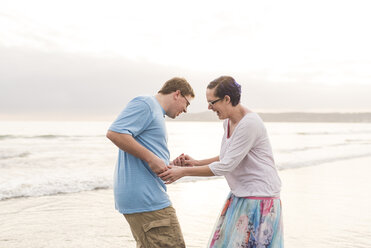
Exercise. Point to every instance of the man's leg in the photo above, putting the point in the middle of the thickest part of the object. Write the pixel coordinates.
(158, 228)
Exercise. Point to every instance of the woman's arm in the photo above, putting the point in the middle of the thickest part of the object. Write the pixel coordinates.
(206, 161)
(186, 160)
(177, 172)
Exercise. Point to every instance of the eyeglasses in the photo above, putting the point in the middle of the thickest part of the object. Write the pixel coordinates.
(215, 101)
(185, 99)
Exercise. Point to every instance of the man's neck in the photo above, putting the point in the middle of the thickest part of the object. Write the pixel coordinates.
(163, 101)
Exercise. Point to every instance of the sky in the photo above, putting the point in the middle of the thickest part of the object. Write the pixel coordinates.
(87, 59)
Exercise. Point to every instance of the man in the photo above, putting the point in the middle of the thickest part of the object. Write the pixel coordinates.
(140, 134)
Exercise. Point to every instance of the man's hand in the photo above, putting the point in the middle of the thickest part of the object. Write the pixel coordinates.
(128, 144)
(157, 165)
(172, 174)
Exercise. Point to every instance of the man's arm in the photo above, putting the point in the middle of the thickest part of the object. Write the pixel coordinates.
(127, 143)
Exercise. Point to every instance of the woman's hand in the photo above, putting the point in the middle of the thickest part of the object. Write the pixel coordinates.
(172, 174)
(184, 160)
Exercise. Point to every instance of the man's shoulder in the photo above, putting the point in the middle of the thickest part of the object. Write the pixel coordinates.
(143, 98)
(148, 100)
(147, 103)
(141, 101)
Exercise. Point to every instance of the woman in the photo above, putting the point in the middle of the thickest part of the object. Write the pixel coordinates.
(251, 216)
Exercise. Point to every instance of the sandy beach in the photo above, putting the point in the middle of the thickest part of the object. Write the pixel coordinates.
(324, 206)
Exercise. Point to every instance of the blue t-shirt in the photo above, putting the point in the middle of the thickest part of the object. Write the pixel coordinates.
(136, 187)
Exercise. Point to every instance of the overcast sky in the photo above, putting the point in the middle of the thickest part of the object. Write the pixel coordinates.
(89, 58)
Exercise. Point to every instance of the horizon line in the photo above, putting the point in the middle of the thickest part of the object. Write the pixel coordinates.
(184, 117)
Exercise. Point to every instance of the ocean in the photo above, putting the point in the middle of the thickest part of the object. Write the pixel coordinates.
(48, 158)
(56, 184)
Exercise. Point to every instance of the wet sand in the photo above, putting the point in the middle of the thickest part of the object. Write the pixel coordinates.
(324, 206)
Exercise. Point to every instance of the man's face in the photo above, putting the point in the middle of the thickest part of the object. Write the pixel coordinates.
(180, 105)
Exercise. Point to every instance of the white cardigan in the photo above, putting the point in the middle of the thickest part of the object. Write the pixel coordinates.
(246, 159)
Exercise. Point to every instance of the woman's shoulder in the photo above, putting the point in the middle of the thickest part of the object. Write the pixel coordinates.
(251, 118)
(252, 122)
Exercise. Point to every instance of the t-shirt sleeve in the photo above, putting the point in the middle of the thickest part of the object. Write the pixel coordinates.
(134, 119)
(244, 139)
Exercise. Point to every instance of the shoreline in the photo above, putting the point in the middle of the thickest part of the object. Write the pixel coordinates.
(322, 206)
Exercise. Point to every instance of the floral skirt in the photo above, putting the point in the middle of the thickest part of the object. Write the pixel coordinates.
(253, 222)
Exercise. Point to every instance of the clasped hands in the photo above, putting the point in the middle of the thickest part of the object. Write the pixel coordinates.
(176, 168)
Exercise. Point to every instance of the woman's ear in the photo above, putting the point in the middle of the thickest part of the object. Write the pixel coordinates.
(227, 99)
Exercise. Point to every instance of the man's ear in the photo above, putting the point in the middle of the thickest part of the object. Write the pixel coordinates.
(176, 94)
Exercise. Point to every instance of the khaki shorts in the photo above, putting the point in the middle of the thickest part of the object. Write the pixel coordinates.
(154, 229)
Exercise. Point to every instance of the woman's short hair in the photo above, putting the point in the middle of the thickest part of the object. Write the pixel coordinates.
(175, 84)
(226, 86)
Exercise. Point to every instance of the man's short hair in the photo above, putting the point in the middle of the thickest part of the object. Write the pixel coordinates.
(175, 84)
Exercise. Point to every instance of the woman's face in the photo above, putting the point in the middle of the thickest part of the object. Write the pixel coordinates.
(216, 104)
